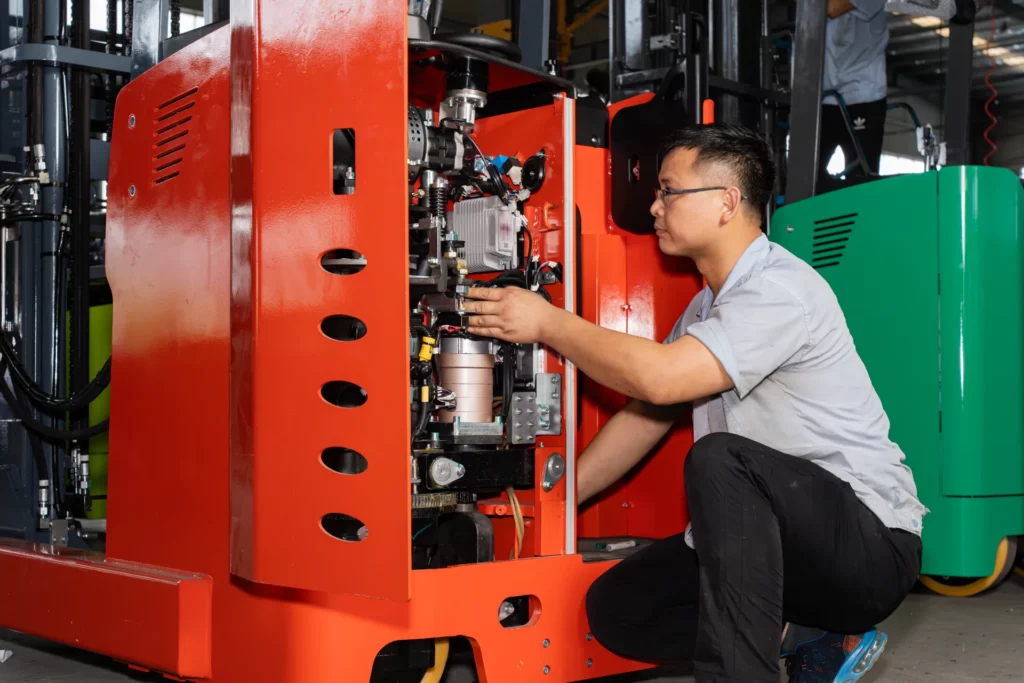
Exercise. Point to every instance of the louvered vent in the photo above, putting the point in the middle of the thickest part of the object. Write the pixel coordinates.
(831, 235)
(170, 131)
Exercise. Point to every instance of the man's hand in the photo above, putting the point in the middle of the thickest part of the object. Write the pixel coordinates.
(509, 313)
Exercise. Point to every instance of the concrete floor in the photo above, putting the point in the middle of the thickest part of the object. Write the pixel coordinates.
(931, 640)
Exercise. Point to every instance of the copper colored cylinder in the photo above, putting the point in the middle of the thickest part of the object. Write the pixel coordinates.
(466, 367)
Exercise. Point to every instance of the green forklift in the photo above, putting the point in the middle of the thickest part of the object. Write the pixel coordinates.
(929, 271)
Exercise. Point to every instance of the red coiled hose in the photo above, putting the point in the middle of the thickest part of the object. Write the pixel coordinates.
(995, 93)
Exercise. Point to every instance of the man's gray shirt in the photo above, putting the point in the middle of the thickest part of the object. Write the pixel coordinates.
(800, 386)
(855, 45)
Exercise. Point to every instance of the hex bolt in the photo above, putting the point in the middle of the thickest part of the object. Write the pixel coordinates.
(554, 380)
(519, 398)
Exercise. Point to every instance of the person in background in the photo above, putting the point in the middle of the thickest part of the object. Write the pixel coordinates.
(856, 37)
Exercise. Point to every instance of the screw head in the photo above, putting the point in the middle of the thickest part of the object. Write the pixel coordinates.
(547, 670)
(590, 636)
(547, 642)
(625, 505)
(590, 663)
(131, 191)
(131, 121)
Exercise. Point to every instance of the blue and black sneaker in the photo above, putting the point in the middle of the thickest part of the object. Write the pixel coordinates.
(832, 657)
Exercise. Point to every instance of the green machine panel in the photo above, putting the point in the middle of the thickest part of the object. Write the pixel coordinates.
(981, 270)
(928, 270)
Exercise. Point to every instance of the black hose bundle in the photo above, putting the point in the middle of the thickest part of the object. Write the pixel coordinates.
(24, 414)
(39, 396)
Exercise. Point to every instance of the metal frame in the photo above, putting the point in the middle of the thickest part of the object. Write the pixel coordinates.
(957, 107)
(569, 235)
(805, 109)
(56, 55)
(535, 43)
(150, 27)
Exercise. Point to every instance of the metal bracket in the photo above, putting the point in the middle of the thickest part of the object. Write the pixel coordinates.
(554, 470)
(549, 404)
(523, 418)
(59, 532)
(58, 54)
(666, 41)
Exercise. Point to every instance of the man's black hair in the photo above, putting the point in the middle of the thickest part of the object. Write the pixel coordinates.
(742, 150)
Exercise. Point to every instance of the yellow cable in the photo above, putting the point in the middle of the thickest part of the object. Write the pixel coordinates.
(434, 673)
(517, 514)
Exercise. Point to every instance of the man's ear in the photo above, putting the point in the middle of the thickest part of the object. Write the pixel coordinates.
(732, 204)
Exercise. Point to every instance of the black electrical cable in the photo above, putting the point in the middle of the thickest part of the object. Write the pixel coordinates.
(24, 414)
(492, 171)
(421, 423)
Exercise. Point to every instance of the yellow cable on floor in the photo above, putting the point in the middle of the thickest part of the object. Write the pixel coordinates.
(434, 673)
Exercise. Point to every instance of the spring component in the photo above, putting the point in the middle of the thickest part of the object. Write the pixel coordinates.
(439, 202)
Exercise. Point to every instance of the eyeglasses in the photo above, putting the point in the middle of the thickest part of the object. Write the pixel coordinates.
(661, 193)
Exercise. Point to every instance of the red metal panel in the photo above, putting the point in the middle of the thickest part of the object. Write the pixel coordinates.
(629, 286)
(168, 262)
(149, 616)
(301, 71)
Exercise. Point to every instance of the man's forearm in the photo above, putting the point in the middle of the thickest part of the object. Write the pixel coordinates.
(621, 362)
(621, 444)
(839, 7)
(835, 8)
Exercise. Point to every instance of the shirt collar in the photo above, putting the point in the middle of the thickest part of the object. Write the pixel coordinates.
(754, 252)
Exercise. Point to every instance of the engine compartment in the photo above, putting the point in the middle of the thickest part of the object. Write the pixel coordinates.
(484, 211)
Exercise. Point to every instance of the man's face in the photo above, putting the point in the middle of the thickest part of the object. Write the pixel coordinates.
(686, 223)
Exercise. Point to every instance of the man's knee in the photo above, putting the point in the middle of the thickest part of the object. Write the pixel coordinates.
(710, 457)
(604, 611)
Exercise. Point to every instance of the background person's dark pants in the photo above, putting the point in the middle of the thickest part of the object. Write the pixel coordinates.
(779, 539)
(869, 123)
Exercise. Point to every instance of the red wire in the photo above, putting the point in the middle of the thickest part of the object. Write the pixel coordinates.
(995, 93)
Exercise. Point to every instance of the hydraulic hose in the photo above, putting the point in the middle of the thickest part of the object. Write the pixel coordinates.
(39, 396)
(24, 414)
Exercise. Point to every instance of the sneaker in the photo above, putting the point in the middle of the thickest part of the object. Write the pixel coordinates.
(835, 658)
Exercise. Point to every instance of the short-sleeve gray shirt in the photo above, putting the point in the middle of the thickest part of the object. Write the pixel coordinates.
(855, 45)
(800, 386)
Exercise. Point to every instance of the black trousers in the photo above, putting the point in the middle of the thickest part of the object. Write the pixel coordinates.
(869, 126)
(778, 539)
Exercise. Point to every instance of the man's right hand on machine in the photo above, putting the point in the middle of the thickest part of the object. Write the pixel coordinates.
(511, 314)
